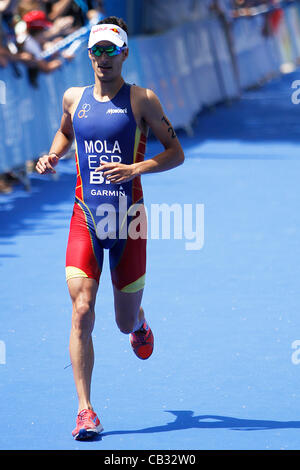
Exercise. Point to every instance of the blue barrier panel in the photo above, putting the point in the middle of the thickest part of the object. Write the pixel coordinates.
(204, 69)
(273, 55)
(170, 76)
(196, 61)
(26, 112)
(3, 163)
(256, 53)
(146, 48)
(40, 132)
(179, 73)
(222, 58)
(179, 67)
(79, 72)
(11, 121)
(246, 44)
(132, 69)
(49, 107)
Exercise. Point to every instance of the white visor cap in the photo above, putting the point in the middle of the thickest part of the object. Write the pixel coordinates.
(107, 32)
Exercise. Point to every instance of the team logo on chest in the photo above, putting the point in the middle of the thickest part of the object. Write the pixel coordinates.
(84, 110)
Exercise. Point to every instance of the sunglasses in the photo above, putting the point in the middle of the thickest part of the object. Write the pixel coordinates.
(109, 50)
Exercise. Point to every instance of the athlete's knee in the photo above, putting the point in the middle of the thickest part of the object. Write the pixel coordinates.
(126, 328)
(128, 310)
(126, 325)
(83, 316)
(128, 322)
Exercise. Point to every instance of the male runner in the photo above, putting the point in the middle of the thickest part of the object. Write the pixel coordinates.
(109, 121)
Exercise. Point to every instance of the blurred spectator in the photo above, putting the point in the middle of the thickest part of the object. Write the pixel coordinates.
(7, 180)
(249, 7)
(46, 22)
(37, 31)
(80, 11)
(25, 6)
(63, 8)
(8, 47)
(95, 7)
(5, 184)
(51, 21)
(272, 22)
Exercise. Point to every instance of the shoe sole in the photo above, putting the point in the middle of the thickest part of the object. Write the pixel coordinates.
(85, 434)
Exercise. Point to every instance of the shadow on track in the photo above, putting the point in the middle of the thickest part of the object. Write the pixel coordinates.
(185, 419)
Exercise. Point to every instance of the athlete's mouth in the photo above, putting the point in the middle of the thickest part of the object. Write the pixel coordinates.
(104, 67)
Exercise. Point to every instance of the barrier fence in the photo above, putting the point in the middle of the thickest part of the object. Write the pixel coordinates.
(189, 67)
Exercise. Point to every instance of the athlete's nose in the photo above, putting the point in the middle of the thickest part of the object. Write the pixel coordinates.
(103, 60)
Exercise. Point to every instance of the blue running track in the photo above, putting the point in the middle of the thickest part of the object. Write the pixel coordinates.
(224, 374)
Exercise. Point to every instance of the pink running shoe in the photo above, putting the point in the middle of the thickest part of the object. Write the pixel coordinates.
(87, 425)
(142, 341)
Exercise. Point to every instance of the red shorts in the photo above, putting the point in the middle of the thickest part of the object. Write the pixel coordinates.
(85, 254)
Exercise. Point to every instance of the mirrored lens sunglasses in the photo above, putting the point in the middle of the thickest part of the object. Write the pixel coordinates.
(109, 50)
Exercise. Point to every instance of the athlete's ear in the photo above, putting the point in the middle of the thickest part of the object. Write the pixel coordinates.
(125, 54)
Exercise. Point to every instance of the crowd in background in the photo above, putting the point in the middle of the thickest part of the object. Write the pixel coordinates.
(161, 15)
(248, 7)
(29, 27)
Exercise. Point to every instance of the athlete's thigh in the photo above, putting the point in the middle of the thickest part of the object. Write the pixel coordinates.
(84, 256)
(83, 291)
(127, 260)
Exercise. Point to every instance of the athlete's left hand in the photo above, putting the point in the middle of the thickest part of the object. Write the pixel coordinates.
(118, 172)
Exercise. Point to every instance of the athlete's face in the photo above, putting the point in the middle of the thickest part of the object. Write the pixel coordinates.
(108, 68)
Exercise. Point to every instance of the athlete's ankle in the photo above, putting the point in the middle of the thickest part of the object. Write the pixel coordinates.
(141, 318)
(85, 406)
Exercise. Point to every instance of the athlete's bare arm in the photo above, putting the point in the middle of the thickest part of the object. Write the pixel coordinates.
(152, 115)
(64, 136)
(148, 113)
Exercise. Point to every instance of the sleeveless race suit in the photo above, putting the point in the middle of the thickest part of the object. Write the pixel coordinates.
(103, 211)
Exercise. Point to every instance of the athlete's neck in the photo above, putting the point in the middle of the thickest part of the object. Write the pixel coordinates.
(105, 91)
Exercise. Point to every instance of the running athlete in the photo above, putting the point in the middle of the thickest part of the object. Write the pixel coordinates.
(109, 122)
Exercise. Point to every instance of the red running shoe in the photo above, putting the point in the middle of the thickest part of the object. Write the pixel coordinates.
(142, 341)
(87, 425)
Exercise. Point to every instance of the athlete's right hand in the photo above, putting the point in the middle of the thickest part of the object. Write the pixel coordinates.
(46, 163)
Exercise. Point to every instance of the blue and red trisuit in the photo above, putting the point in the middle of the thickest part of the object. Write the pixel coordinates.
(104, 211)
